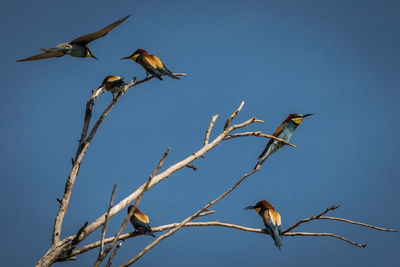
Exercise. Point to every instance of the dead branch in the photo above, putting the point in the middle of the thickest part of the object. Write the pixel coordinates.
(241, 228)
(188, 219)
(103, 232)
(109, 262)
(258, 134)
(124, 223)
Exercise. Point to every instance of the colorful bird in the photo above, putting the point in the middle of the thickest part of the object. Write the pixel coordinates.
(77, 47)
(113, 84)
(140, 222)
(271, 218)
(151, 63)
(284, 131)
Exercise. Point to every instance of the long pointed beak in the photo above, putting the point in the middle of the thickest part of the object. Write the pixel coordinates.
(306, 115)
(94, 57)
(249, 208)
(125, 58)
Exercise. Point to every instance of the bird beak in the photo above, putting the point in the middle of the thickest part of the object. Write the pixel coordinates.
(306, 115)
(125, 58)
(94, 57)
(249, 208)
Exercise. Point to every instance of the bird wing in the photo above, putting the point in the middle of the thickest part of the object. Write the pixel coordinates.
(276, 133)
(85, 39)
(48, 54)
(154, 61)
(142, 217)
(275, 217)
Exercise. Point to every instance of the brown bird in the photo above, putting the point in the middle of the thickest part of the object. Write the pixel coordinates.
(140, 222)
(77, 47)
(271, 219)
(113, 84)
(151, 63)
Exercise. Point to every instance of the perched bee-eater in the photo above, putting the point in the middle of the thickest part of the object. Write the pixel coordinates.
(271, 218)
(151, 63)
(284, 131)
(140, 222)
(77, 47)
(113, 84)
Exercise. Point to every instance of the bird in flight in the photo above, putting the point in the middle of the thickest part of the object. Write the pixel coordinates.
(77, 47)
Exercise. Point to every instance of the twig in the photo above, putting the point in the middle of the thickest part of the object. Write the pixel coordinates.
(124, 223)
(103, 232)
(191, 167)
(258, 134)
(233, 115)
(310, 219)
(209, 128)
(357, 223)
(327, 234)
(117, 247)
(188, 219)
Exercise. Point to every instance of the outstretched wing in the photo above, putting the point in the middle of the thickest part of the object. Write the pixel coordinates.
(48, 54)
(85, 39)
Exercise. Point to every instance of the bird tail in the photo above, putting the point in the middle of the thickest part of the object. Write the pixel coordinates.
(259, 163)
(277, 239)
(150, 233)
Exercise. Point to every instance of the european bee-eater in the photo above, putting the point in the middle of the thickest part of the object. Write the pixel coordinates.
(140, 222)
(77, 47)
(113, 84)
(151, 63)
(271, 219)
(284, 131)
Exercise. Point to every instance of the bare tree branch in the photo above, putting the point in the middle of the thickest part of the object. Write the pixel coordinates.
(327, 234)
(103, 232)
(258, 134)
(209, 128)
(188, 219)
(172, 169)
(124, 223)
(310, 218)
(113, 254)
(357, 223)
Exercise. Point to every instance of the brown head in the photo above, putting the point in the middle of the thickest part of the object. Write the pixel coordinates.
(136, 54)
(260, 206)
(296, 118)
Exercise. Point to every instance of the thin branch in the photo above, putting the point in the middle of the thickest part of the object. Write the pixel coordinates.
(117, 247)
(209, 128)
(103, 232)
(258, 134)
(124, 223)
(357, 223)
(310, 218)
(327, 234)
(188, 219)
(191, 167)
(233, 115)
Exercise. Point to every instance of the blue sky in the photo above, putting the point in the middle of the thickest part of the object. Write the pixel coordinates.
(336, 59)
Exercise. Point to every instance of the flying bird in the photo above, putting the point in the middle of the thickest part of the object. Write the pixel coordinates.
(140, 222)
(284, 131)
(77, 47)
(271, 219)
(151, 63)
(113, 84)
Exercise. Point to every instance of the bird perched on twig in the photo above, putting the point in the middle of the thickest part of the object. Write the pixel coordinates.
(151, 63)
(113, 84)
(271, 219)
(77, 47)
(140, 222)
(284, 131)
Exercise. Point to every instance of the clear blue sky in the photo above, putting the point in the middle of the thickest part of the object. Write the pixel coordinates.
(337, 59)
